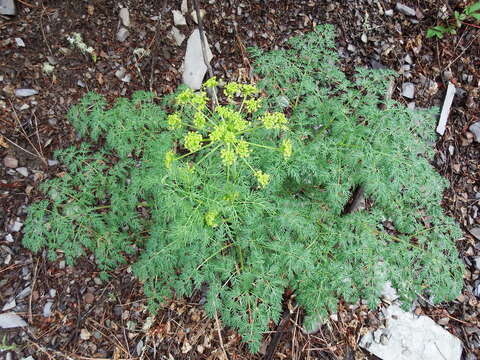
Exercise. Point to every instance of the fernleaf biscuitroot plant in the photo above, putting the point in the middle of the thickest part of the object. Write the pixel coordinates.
(248, 197)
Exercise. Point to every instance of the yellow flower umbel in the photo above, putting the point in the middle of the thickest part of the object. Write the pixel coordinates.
(199, 120)
(169, 159)
(274, 120)
(252, 105)
(210, 83)
(211, 218)
(228, 156)
(193, 141)
(185, 97)
(286, 148)
(242, 149)
(262, 178)
(174, 121)
(232, 89)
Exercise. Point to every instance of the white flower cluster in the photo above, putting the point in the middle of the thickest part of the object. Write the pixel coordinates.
(77, 41)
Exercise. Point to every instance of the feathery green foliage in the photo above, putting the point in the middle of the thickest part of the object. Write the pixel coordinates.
(250, 201)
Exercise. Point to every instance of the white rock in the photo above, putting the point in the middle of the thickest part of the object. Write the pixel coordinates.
(10, 162)
(177, 36)
(184, 7)
(11, 320)
(47, 309)
(389, 293)
(52, 292)
(178, 18)
(408, 59)
(405, 10)
(85, 334)
(7, 259)
(17, 226)
(122, 34)
(475, 232)
(195, 68)
(410, 337)
(364, 38)
(19, 42)
(447, 104)
(9, 238)
(389, 12)
(52, 162)
(25, 92)
(139, 348)
(476, 260)
(124, 17)
(475, 130)
(408, 90)
(193, 14)
(7, 7)
(9, 305)
(22, 171)
(25, 292)
(120, 73)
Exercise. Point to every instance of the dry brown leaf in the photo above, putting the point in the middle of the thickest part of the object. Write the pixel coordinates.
(3, 143)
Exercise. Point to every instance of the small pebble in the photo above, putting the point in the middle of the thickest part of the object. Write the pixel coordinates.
(405, 10)
(10, 162)
(193, 14)
(389, 12)
(47, 309)
(17, 226)
(89, 298)
(443, 321)
(22, 171)
(25, 92)
(408, 90)
(85, 334)
(475, 130)
(124, 17)
(19, 42)
(9, 238)
(178, 18)
(122, 34)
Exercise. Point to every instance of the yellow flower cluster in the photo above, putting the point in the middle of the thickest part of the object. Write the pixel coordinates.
(242, 149)
(210, 83)
(228, 156)
(252, 105)
(233, 89)
(193, 141)
(199, 120)
(211, 218)
(174, 121)
(233, 118)
(225, 126)
(286, 148)
(262, 178)
(189, 97)
(274, 120)
(169, 158)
